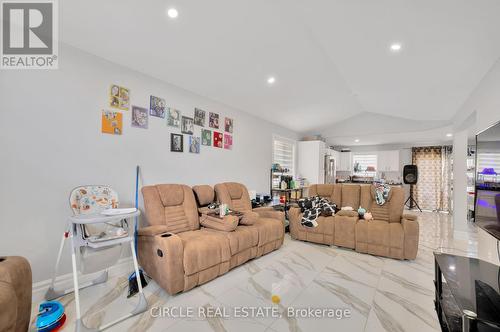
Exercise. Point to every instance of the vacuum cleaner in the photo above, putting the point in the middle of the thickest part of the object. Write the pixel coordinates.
(51, 316)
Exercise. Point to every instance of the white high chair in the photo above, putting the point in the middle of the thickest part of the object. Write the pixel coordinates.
(98, 239)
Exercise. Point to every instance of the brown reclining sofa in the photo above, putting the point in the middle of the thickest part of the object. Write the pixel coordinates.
(179, 253)
(15, 294)
(389, 234)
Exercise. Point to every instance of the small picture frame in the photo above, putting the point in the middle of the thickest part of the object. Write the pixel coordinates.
(199, 117)
(139, 117)
(213, 120)
(157, 107)
(119, 97)
(111, 122)
(173, 118)
(194, 144)
(218, 139)
(187, 125)
(206, 137)
(228, 125)
(228, 141)
(176, 142)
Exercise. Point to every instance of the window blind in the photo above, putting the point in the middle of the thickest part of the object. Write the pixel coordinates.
(284, 153)
(488, 160)
(362, 162)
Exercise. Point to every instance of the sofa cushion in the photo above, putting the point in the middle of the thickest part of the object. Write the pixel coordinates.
(241, 239)
(323, 190)
(172, 205)
(203, 249)
(204, 194)
(378, 232)
(344, 226)
(171, 195)
(392, 209)
(350, 196)
(331, 191)
(365, 198)
(380, 238)
(235, 195)
(268, 229)
(249, 218)
(325, 226)
(235, 190)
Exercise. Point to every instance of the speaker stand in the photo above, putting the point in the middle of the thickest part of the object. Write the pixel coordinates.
(410, 201)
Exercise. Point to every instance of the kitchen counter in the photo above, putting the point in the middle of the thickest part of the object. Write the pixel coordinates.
(370, 182)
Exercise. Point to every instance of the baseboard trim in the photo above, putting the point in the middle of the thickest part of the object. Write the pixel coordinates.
(125, 265)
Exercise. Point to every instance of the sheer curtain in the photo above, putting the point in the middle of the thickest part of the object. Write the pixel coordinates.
(433, 189)
(447, 176)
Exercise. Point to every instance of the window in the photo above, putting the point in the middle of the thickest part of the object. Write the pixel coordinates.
(488, 160)
(284, 153)
(365, 164)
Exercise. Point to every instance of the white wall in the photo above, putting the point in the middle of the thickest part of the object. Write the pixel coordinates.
(480, 111)
(50, 142)
(484, 101)
(460, 180)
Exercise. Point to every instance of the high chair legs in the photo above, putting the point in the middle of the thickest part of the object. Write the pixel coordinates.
(141, 306)
(52, 293)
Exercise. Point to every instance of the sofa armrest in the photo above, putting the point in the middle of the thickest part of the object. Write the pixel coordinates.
(294, 218)
(269, 212)
(226, 224)
(152, 230)
(347, 213)
(411, 236)
(161, 254)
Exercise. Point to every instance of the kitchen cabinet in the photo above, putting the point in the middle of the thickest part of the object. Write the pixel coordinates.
(345, 162)
(388, 161)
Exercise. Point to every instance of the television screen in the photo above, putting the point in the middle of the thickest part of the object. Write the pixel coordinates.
(487, 208)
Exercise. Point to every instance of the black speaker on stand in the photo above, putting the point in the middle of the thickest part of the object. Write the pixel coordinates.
(410, 176)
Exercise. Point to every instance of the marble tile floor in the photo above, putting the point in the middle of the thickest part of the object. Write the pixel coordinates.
(381, 294)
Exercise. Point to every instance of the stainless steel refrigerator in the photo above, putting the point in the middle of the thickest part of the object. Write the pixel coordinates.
(330, 169)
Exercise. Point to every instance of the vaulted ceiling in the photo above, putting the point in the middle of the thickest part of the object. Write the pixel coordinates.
(331, 58)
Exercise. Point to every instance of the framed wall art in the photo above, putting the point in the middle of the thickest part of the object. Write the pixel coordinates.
(139, 117)
(199, 117)
(176, 142)
(187, 125)
(157, 107)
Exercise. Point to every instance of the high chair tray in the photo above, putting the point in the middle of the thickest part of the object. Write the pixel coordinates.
(99, 218)
(115, 212)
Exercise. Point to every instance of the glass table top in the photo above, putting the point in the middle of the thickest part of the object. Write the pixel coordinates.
(474, 284)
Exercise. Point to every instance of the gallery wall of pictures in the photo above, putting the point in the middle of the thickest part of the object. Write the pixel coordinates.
(213, 133)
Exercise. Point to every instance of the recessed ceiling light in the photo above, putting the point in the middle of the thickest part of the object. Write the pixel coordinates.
(396, 47)
(271, 80)
(449, 135)
(172, 13)
(356, 140)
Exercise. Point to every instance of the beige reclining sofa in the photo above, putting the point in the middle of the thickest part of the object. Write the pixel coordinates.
(15, 294)
(179, 253)
(389, 234)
